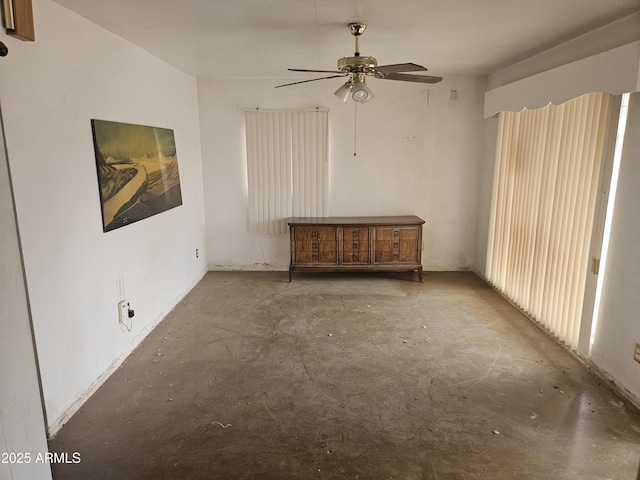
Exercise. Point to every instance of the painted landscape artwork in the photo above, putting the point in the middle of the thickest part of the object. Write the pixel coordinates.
(137, 171)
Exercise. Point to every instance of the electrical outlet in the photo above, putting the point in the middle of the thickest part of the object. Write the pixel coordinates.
(636, 354)
(123, 311)
(197, 253)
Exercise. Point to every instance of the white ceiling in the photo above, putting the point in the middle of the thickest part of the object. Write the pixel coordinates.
(262, 38)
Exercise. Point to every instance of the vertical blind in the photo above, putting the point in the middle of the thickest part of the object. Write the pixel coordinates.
(287, 166)
(545, 187)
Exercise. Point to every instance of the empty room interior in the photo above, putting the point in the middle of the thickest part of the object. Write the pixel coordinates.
(300, 239)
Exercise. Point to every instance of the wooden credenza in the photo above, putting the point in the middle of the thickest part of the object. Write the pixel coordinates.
(356, 243)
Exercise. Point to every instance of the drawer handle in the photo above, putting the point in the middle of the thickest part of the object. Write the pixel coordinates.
(354, 234)
(396, 233)
(395, 256)
(396, 245)
(355, 258)
(314, 246)
(355, 246)
(314, 257)
(314, 234)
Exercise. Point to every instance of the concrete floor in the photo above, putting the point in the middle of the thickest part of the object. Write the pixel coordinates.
(354, 376)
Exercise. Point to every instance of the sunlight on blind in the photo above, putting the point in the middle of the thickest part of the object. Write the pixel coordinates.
(287, 166)
(545, 187)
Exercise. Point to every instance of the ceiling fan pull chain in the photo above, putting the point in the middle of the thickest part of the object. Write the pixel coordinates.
(355, 128)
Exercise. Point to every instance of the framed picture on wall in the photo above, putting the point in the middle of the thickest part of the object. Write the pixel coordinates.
(137, 171)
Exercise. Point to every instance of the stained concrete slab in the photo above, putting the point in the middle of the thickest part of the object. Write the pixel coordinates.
(354, 376)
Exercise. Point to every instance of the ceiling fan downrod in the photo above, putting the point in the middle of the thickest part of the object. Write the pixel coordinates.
(357, 63)
(357, 29)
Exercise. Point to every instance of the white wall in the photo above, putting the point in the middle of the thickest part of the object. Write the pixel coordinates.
(50, 89)
(22, 424)
(418, 152)
(485, 189)
(618, 328)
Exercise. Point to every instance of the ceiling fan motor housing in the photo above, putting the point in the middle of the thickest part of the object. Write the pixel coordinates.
(357, 64)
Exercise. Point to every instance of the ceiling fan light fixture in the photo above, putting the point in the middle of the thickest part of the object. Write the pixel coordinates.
(360, 92)
(343, 92)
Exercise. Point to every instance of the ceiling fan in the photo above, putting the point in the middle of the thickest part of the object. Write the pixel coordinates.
(358, 67)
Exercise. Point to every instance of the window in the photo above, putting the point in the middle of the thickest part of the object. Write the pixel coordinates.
(548, 169)
(287, 166)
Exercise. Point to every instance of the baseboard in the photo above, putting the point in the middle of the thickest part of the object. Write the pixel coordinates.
(610, 382)
(255, 267)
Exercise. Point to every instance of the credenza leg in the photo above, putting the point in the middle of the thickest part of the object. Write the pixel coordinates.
(289, 275)
(420, 274)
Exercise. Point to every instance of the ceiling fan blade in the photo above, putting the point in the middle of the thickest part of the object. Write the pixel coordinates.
(399, 67)
(412, 78)
(313, 71)
(311, 80)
